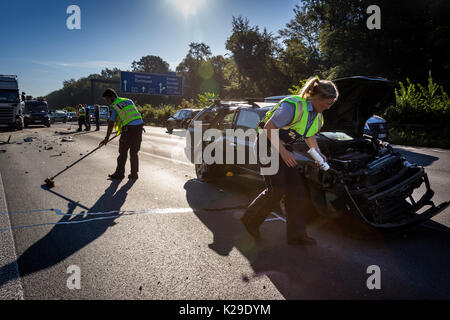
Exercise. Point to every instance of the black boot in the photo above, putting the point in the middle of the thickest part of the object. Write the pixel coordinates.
(116, 176)
(133, 176)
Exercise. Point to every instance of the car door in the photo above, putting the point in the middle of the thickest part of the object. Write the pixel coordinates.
(197, 127)
(246, 120)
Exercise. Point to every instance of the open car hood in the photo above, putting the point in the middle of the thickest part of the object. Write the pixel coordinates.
(359, 99)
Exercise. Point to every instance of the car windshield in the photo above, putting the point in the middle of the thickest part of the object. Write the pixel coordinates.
(9, 96)
(36, 107)
(177, 114)
(339, 136)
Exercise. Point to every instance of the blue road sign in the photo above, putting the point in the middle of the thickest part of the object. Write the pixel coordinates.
(151, 84)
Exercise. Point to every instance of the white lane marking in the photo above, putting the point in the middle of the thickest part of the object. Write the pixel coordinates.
(167, 158)
(278, 217)
(111, 215)
(5, 290)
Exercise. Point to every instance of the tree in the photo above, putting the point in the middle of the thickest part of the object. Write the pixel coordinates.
(411, 40)
(199, 51)
(150, 64)
(201, 72)
(256, 53)
(302, 56)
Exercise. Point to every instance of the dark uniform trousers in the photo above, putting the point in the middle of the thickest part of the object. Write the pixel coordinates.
(130, 139)
(287, 182)
(81, 122)
(97, 120)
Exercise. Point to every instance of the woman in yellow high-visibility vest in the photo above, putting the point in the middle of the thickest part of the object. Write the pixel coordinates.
(297, 118)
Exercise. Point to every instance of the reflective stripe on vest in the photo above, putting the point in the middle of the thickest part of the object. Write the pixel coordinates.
(126, 113)
(299, 122)
(82, 112)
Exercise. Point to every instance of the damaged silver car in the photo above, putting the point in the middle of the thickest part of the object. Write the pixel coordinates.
(367, 177)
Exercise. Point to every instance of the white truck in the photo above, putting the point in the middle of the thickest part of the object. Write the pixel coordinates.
(11, 104)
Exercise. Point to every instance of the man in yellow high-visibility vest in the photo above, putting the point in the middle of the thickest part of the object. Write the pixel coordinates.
(127, 121)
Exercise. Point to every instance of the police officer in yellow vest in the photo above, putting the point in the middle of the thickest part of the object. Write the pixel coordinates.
(81, 115)
(127, 121)
(297, 118)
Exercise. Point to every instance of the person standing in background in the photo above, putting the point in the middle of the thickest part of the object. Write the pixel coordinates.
(97, 117)
(87, 118)
(81, 115)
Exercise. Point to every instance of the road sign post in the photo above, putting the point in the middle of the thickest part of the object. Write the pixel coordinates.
(151, 84)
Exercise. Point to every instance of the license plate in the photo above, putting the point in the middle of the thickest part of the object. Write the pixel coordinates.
(382, 136)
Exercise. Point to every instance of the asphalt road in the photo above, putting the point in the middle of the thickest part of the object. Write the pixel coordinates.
(169, 236)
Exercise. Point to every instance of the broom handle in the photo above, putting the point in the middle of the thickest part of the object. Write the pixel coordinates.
(61, 172)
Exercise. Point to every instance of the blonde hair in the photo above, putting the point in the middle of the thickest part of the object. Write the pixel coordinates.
(314, 86)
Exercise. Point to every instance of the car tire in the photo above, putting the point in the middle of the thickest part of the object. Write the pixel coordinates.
(170, 130)
(208, 172)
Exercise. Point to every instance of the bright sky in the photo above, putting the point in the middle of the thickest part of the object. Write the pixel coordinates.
(37, 46)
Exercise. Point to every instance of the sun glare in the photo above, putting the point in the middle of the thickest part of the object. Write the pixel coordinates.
(187, 7)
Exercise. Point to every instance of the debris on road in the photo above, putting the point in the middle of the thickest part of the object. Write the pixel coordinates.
(67, 139)
(48, 148)
(2, 151)
(29, 139)
(8, 139)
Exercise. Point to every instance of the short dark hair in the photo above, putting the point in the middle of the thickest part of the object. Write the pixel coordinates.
(110, 93)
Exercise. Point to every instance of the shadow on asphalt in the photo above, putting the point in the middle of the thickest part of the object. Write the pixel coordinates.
(421, 159)
(63, 240)
(336, 268)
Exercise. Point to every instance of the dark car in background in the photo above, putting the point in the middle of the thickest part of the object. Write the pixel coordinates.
(377, 127)
(181, 119)
(367, 177)
(71, 116)
(36, 112)
(103, 114)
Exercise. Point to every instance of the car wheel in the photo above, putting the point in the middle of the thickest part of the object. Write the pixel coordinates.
(208, 172)
(170, 130)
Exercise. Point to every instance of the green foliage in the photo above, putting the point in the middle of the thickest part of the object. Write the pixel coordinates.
(295, 89)
(420, 105)
(420, 116)
(202, 72)
(204, 99)
(150, 64)
(69, 109)
(153, 115)
(255, 56)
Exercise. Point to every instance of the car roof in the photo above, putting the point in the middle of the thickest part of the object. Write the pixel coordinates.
(275, 98)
